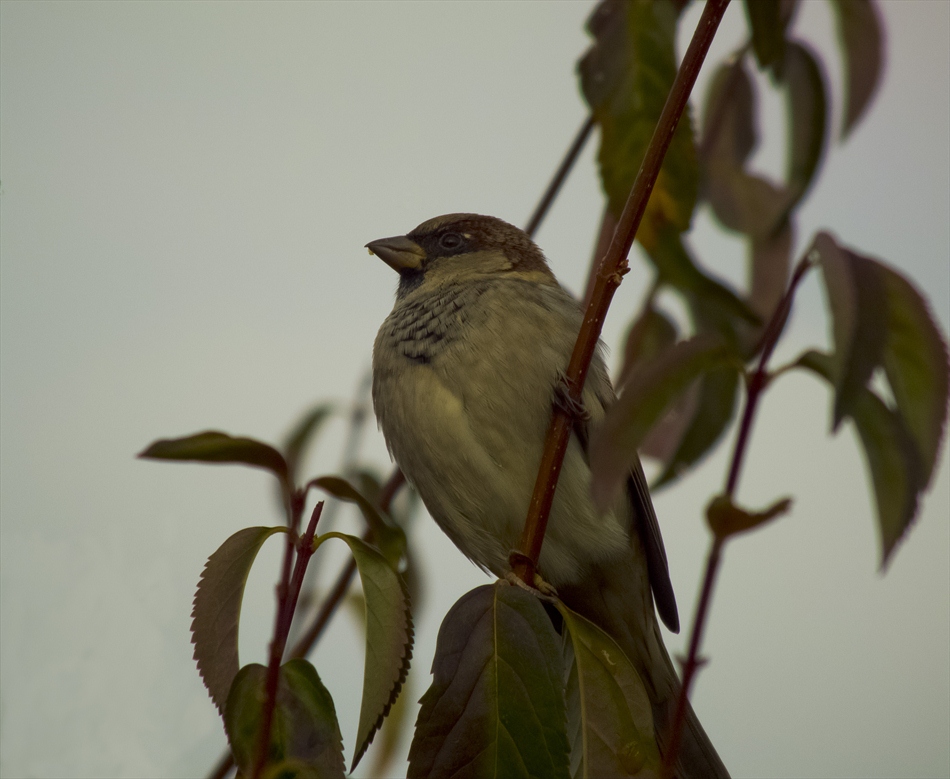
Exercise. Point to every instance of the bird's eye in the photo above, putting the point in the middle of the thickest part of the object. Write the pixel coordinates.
(450, 241)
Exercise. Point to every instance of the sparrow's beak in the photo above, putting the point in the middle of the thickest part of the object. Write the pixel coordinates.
(399, 253)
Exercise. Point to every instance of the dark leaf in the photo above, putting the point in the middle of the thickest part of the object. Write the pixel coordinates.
(893, 459)
(303, 432)
(626, 76)
(217, 609)
(652, 333)
(613, 449)
(496, 704)
(610, 719)
(677, 268)
(388, 637)
(807, 118)
(862, 41)
(856, 294)
(305, 736)
(214, 447)
(768, 31)
(916, 365)
(716, 403)
(388, 537)
(729, 128)
(727, 519)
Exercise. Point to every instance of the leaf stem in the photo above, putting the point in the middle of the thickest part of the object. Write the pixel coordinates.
(554, 187)
(754, 388)
(612, 268)
(288, 590)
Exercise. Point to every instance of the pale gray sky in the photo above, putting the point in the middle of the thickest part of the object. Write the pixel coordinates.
(185, 191)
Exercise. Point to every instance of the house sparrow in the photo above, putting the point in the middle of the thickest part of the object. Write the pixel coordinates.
(465, 370)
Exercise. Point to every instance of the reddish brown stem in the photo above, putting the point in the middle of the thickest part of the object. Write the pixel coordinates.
(754, 388)
(288, 590)
(612, 268)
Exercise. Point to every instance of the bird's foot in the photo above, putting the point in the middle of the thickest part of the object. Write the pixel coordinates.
(541, 587)
(565, 401)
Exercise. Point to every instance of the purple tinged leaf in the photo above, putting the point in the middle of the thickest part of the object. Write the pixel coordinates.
(855, 290)
(894, 462)
(217, 609)
(610, 719)
(496, 704)
(651, 333)
(807, 117)
(214, 447)
(389, 637)
(861, 35)
(644, 399)
(305, 735)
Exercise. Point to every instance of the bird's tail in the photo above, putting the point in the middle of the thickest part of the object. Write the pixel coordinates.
(617, 598)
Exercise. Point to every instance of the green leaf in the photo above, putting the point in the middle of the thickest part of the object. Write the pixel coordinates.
(388, 637)
(714, 409)
(857, 299)
(214, 447)
(303, 432)
(496, 704)
(305, 736)
(892, 458)
(217, 609)
(807, 118)
(768, 31)
(916, 366)
(678, 269)
(613, 449)
(862, 44)
(626, 76)
(610, 719)
(389, 538)
(726, 519)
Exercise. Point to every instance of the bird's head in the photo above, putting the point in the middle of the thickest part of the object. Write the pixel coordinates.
(456, 248)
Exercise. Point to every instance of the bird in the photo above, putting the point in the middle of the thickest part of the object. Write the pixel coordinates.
(466, 368)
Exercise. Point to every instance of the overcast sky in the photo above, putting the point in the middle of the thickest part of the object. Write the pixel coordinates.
(185, 191)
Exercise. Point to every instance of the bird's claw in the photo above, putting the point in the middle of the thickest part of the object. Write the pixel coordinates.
(541, 588)
(566, 402)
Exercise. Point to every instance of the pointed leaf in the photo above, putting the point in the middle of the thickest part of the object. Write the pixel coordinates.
(496, 704)
(857, 299)
(305, 735)
(768, 31)
(807, 117)
(389, 538)
(610, 719)
(217, 609)
(650, 334)
(916, 365)
(893, 460)
(647, 394)
(726, 519)
(214, 447)
(626, 76)
(677, 268)
(729, 127)
(303, 432)
(713, 411)
(862, 41)
(388, 637)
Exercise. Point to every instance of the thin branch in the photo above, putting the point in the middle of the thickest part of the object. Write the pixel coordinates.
(330, 606)
(754, 388)
(554, 187)
(612, 268)
(288, 590)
